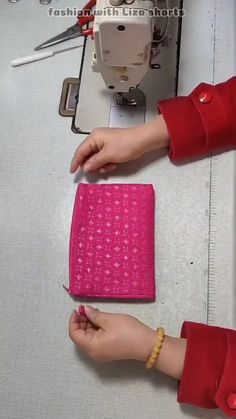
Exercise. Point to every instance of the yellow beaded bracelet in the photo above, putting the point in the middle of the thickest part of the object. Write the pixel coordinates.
(157, 348)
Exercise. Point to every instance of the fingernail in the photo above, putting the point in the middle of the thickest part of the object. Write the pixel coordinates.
(89, 308)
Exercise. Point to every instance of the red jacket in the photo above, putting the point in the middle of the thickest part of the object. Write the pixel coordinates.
(200, 124)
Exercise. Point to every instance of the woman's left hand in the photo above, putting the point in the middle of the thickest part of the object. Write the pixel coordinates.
(111, 337)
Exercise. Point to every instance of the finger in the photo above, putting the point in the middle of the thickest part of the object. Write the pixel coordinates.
(97, 161)
(85, 324)
(82, 337)
(83, 151)
(96, 317)
(88, 326)
(108, 168)
(74, 320)
(75, 332)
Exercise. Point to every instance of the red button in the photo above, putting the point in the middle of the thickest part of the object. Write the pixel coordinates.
(205, 97)
(231, 401)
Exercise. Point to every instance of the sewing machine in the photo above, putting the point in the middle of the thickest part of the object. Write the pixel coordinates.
(126, 39)
(123, 67)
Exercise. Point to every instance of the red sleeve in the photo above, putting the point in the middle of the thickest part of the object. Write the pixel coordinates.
(209, 375)
(203, 122)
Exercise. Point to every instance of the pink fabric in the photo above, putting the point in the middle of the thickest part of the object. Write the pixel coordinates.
(82, 311)
(112, 242)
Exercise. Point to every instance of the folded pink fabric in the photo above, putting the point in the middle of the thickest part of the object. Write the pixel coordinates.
(112, 242)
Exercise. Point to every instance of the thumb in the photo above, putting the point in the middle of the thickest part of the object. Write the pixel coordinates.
(96, 317)
(97, 161)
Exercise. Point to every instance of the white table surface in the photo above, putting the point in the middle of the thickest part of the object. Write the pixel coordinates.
(42, 374)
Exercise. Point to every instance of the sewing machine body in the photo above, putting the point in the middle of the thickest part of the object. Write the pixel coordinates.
(131, 62)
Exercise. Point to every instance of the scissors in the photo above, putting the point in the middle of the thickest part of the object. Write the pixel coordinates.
(73, 31)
